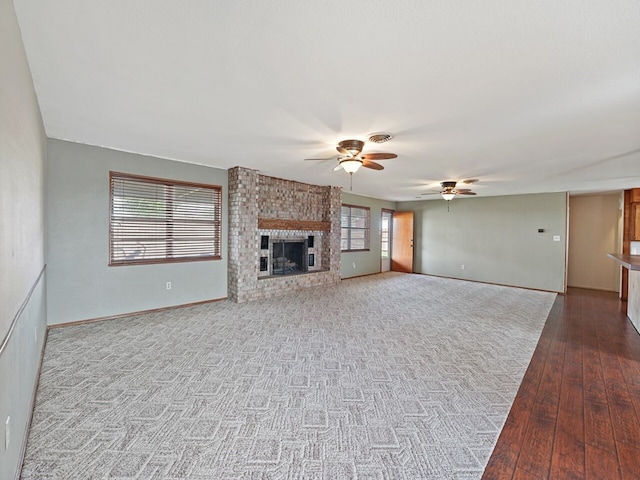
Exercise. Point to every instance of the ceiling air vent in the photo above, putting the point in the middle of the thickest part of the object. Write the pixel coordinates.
(380, 137)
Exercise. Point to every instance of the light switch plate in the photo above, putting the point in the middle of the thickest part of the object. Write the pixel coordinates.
(556, 238)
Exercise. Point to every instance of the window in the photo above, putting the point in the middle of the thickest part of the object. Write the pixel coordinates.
(355, 228)
(158, 221)
(385, 231)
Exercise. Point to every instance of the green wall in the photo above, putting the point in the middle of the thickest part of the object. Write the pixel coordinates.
(22, 261)
(81, 285)
(365, 263)
(495, 238)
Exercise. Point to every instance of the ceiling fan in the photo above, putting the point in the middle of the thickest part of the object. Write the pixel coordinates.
(449, 190)
(351, 157)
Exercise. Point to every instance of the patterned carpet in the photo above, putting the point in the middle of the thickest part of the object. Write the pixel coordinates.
(391, 376)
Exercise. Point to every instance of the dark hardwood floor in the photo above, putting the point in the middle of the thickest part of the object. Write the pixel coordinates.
(577, 412)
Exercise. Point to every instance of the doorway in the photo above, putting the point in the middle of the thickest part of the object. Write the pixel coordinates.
(595, 229)
(402, 242)
(385, 240)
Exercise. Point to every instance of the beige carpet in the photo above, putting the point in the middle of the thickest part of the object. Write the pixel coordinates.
(391, 376)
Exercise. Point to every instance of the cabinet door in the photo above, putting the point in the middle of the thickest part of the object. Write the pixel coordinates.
(635, 222)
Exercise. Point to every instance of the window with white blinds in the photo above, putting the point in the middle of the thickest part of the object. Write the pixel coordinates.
(158, 221)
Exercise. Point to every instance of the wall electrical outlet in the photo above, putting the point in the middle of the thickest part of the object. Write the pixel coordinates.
(462, 266)
(168, 285)
(7, 433)
(354, 264)
(556, 238)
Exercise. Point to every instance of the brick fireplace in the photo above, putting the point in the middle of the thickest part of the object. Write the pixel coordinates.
(268, 215)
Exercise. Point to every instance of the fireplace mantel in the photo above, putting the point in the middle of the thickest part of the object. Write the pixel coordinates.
(280, 224)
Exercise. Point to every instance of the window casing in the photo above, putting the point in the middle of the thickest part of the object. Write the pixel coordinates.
(355, 231)
(156, 220)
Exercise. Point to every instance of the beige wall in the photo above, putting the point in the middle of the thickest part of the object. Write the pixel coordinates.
(594, 231)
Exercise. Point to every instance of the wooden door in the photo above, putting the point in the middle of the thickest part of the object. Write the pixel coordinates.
(402, 242)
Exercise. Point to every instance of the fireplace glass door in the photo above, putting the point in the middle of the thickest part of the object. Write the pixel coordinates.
(289, 257)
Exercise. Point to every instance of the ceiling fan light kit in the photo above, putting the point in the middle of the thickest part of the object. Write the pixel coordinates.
(448, 196)
(351, 165)
(448, 192)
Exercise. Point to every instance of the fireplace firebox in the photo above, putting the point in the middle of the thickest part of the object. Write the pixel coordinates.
(289, 257)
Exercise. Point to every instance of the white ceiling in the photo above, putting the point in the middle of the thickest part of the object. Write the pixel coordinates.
(526, 96)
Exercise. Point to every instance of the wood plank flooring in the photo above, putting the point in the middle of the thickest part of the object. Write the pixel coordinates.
(577, 412)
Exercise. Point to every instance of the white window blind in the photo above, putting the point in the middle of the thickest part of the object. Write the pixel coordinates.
(156, 220)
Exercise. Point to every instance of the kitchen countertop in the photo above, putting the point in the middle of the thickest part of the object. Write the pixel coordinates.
(632, 262)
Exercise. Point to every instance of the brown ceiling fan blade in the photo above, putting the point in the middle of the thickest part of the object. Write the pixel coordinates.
(465, 193)
(378, 156)
(372, 165)
(462, 190)
(470, 180)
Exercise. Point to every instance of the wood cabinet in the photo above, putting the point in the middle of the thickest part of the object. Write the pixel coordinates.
(631, 231)
(635, 221)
